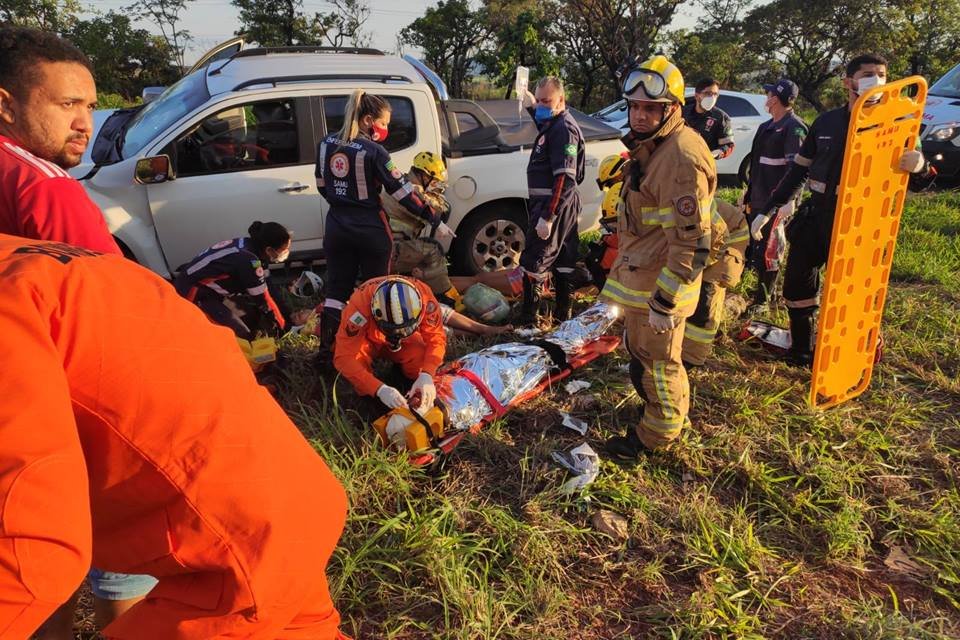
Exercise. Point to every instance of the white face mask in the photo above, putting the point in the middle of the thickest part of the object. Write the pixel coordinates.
(708, 102)
(865, 84)
(282, 257)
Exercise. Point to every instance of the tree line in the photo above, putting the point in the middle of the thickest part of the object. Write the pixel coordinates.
(741, 43)
(476, 46)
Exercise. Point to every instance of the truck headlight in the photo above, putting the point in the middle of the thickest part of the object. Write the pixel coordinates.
(943, 132)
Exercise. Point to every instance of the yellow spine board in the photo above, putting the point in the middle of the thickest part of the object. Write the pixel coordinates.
(869, 203)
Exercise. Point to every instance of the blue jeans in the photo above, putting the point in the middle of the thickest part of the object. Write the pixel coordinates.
(108, 585)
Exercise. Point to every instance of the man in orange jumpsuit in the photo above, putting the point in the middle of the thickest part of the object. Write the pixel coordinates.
(398, 319)
(135, 436)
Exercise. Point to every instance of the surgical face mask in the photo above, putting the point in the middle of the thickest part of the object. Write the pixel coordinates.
(867, 83)
(282, 256)
(542, 113)
(708, 102)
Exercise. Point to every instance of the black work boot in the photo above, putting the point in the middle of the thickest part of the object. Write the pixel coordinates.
(530, 310)
(329, 325)
(562, 290)
(626, 447)
(801, 330)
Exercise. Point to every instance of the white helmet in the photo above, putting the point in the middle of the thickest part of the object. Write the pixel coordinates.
(308, 285)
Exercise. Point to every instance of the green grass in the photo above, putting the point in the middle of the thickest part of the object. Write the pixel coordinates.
(766, 520)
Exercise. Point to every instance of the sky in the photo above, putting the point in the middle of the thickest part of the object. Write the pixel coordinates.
(213, 21)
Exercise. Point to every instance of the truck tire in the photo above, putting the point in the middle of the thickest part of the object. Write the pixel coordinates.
(490, 238)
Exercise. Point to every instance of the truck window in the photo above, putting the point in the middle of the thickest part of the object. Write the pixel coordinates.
(248, 136)
(403, 124)
(736, 107)
(155, 118)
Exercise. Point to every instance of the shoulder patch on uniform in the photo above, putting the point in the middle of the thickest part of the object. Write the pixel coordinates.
(686, 205)
(391, 165)
(432, 318)
(396, 174)
(358, 319)
(339, 165)
(800, 132)
(570, 150)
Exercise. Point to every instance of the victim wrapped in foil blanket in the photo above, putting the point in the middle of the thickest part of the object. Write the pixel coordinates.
(483, 384)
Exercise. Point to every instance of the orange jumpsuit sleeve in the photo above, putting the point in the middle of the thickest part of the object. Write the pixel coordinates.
(353, 351)
(431, 330)
(45, 527)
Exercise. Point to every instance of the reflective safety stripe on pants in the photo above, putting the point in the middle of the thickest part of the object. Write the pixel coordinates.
(702, 326)
(663, 381)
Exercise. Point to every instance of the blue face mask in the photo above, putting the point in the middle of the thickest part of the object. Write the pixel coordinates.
(542, 113)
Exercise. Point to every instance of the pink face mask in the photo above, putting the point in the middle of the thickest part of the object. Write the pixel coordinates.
(378, 133)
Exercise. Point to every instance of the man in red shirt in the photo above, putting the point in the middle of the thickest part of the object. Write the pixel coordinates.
(47, 97)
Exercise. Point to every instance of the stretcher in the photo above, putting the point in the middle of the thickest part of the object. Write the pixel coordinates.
(467, 402)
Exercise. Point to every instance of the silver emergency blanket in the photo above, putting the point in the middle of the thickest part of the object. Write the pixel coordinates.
(512, 369)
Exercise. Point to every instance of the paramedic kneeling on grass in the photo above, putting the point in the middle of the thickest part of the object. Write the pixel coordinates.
(136, 437)
(400, 320)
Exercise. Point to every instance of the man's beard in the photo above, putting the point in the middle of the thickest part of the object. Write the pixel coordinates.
(40, 145)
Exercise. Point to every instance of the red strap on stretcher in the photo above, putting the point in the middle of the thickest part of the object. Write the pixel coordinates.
(481, 387)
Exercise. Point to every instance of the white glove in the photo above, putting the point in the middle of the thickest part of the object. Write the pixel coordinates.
(543, 228)
(391, 397)
(756, 227)
(660, 322)
(444, 232)
(787, 210)
(528, 99)
(911, 161)
(425, 388)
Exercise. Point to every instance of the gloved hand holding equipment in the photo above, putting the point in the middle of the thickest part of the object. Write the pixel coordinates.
(444, 232)
(662, 322)
(912, 161)
(543, 228)
(756, 227)
(425, 389)
(389, 396)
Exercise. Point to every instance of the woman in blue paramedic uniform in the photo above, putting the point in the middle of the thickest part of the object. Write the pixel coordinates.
(352, 168)
(229, 281)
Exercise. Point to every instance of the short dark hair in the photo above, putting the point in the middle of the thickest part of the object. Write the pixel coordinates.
(706, 82)
(21, 48)
(864, 58)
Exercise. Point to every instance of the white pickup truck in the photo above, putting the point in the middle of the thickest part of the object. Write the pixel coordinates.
(235, 140)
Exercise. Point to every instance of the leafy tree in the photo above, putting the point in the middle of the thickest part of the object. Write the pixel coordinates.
(717, 47)
(519, 29)
(929, 33)
(49, 15)
(450, 35)
(620, 29)
(583, 70)
(167, 15)
(810, 41)
(124, 59)
(344, 25)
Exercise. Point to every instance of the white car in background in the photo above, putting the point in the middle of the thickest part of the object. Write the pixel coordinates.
(746, 114)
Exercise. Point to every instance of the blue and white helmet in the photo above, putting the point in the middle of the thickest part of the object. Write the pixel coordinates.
(397, 308)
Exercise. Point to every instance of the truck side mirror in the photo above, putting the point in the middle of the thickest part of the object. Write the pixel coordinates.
(153, 170)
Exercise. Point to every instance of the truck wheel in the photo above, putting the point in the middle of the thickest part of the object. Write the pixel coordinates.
(490, 239)
(743, 174)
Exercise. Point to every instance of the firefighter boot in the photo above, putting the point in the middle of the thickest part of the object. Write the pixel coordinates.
(801, 330)
(562, 290)
(530, 309)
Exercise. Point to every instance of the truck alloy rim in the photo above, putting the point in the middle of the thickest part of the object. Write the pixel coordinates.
(498, 245)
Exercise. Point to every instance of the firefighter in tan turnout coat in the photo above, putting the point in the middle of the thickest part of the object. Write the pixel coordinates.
(666, 236)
